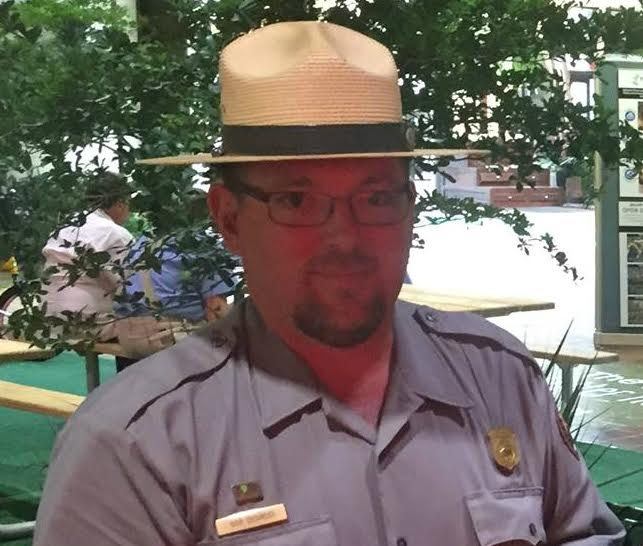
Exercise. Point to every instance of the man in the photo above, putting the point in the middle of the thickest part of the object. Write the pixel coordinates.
(101, 231)
(320, 411)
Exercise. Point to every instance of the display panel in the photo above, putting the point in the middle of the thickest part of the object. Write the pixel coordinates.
(630, 110)
(631, 278)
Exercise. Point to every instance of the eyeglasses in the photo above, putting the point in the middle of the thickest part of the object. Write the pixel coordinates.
(303, 208)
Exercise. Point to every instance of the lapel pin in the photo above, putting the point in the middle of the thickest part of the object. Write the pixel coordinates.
(247, 492)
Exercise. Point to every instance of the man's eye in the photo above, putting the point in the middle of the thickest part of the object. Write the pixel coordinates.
(290, 199)
(381, 198)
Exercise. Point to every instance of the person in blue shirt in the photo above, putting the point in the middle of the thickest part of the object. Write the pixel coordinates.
(160, 305)
(176, 289)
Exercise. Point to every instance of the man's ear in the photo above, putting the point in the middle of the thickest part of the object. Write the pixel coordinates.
(224, 209)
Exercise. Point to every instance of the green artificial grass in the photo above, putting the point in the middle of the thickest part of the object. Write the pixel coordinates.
(27, 439)
(618, 473)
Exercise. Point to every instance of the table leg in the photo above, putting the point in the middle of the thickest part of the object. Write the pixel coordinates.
(567, 383)
(92, 370)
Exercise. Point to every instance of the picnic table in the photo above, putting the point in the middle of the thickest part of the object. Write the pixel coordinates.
(12, 350)
(487, 306)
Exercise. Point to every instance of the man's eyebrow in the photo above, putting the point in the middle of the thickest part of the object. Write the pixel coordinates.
(301, 182)
(376, 180)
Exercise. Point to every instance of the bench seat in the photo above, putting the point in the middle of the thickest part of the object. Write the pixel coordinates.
(566, 359)
(573, 355)
(37, 400)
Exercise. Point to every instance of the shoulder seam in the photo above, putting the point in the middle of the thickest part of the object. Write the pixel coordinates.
(487, 337)
(190, 379)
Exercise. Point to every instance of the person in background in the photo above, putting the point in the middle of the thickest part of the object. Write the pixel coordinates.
(102, 231)
(160, 306)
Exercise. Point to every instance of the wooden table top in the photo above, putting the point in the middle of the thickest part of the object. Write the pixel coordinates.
(487, 306)
(10, 350)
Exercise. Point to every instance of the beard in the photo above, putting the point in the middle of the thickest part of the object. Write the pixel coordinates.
(318, 321)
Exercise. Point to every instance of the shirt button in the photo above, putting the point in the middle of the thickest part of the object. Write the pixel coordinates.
(401, 541)
(429, 317)
(532, 529)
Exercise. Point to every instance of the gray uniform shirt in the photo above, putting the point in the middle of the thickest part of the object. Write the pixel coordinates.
(151, 457)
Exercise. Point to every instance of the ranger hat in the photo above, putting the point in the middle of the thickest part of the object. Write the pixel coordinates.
(308, 90)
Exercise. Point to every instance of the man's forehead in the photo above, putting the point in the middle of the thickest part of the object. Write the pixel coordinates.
(359, 169)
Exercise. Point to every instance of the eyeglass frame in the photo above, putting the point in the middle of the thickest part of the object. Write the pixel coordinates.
(240, 187)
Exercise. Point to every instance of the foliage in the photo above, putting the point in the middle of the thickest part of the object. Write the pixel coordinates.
(77, 95)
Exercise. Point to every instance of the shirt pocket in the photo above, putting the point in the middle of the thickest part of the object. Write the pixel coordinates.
(508, 516)
(309, 533)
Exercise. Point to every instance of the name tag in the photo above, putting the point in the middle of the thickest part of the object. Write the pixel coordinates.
(251, 519)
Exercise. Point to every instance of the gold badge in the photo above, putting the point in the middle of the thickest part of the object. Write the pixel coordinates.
(504, 448)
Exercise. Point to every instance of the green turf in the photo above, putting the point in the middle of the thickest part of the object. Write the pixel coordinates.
(27, 440)
(618, 473)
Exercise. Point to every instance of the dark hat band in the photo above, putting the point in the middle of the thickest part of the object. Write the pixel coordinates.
(267, 140)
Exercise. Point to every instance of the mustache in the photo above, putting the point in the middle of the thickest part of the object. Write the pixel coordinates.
(341, 261)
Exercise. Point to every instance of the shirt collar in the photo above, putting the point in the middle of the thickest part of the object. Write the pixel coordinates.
(102, 214)
(283, 383)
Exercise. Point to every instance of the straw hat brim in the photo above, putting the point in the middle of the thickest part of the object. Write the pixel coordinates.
(190, 159)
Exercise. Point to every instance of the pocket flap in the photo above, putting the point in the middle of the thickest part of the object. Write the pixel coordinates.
(508, 516)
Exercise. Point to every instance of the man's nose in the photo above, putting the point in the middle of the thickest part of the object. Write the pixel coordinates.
(341, 226)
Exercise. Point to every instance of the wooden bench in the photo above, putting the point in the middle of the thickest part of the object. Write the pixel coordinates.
(37, 400)
(567, 358)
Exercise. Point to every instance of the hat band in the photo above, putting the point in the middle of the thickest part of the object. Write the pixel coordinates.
(316, 139)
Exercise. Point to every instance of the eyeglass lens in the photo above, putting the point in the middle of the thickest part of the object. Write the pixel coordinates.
(379, 207)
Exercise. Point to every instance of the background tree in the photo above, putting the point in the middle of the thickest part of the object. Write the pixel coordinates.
(77, 95)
